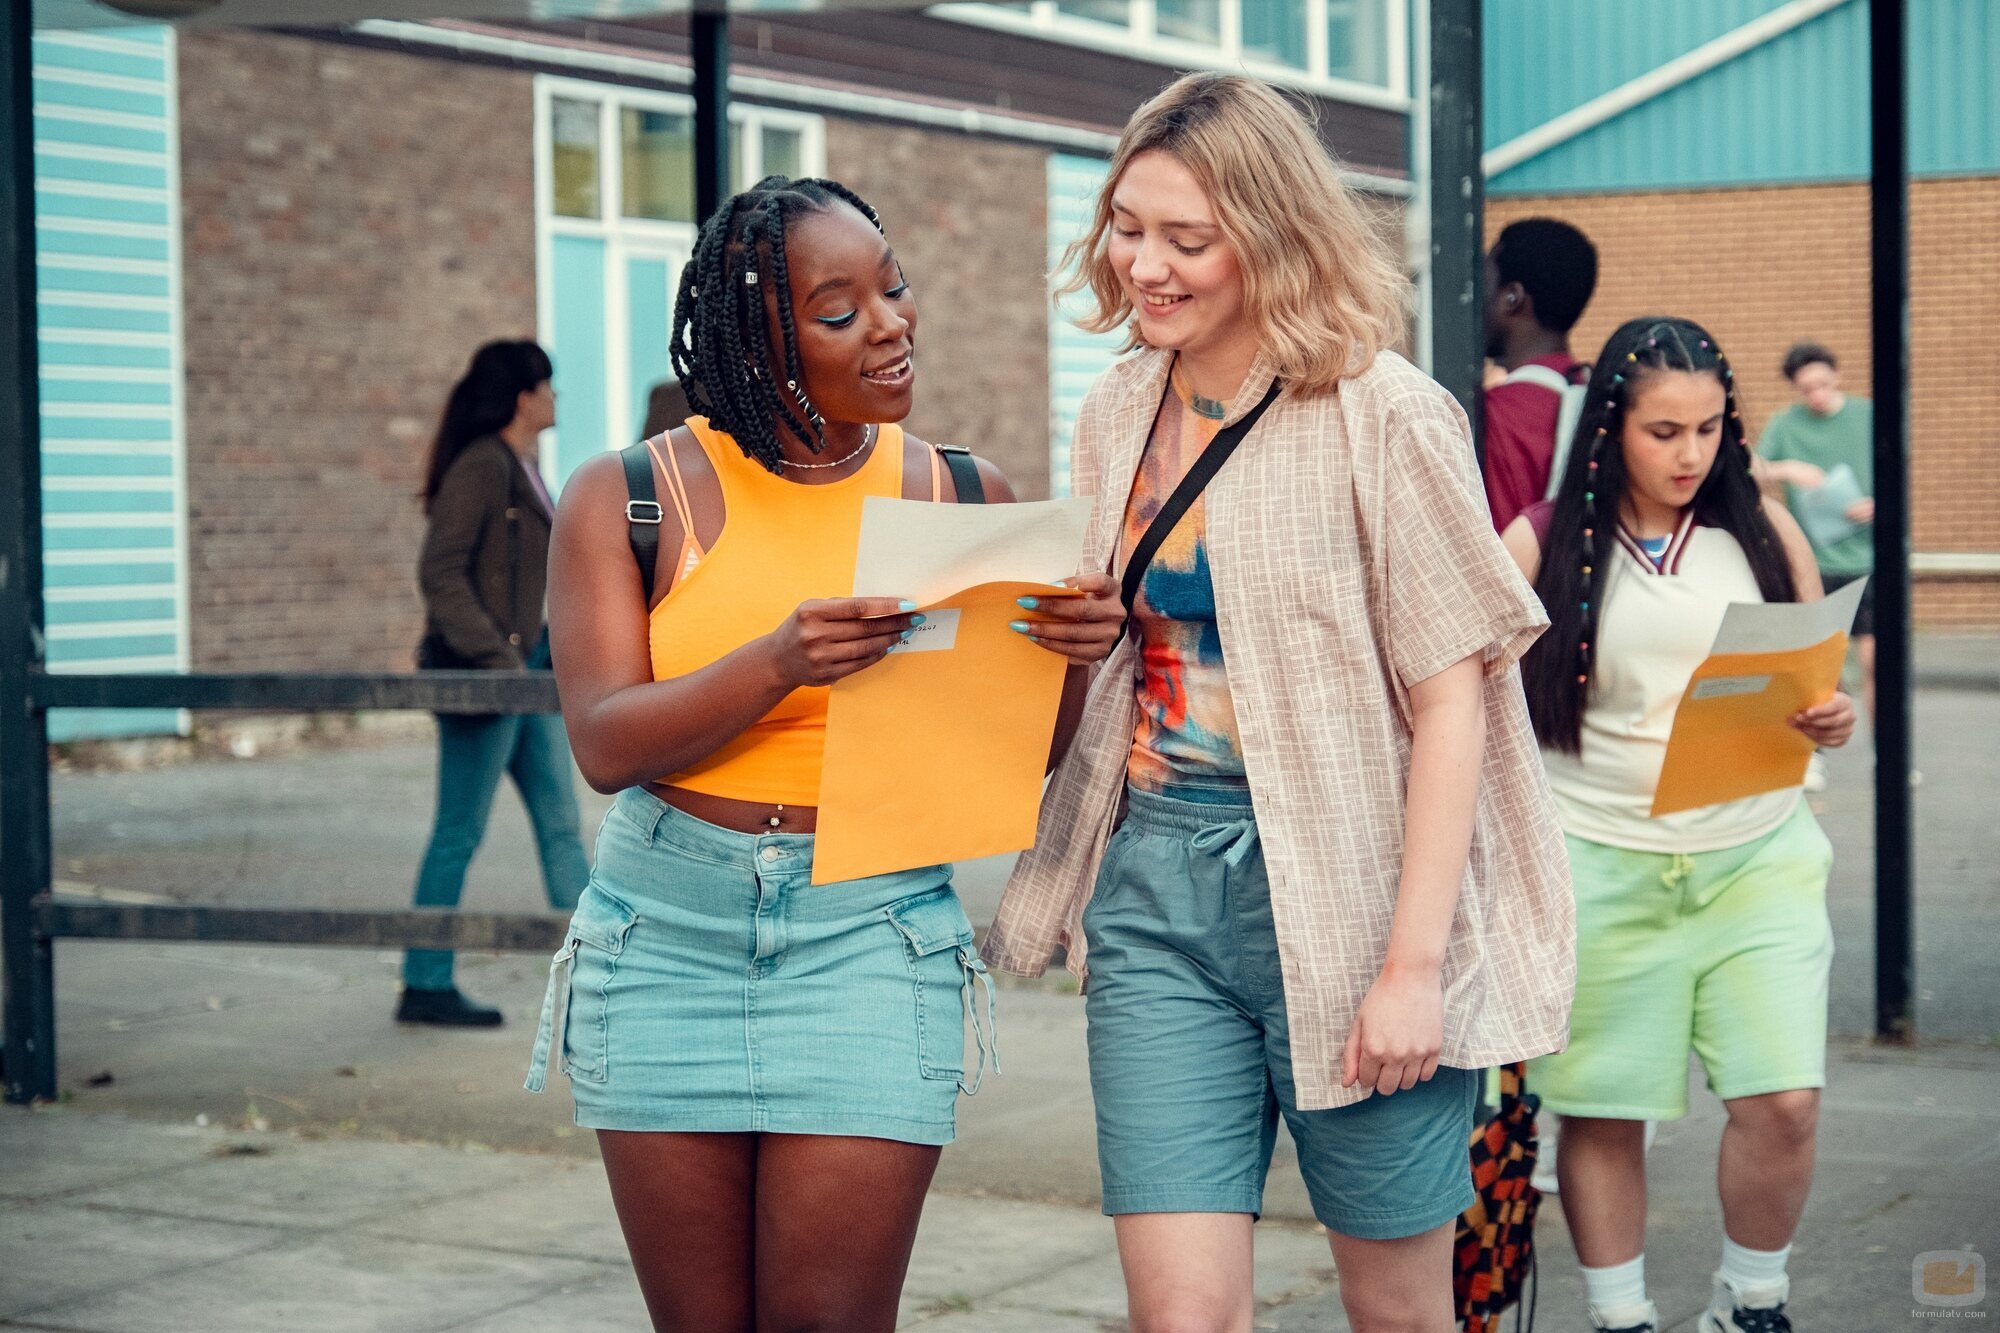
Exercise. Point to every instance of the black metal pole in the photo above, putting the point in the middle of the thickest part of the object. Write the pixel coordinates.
(711, 111)
(1889, 310)
(1458, 207)
(25, 953)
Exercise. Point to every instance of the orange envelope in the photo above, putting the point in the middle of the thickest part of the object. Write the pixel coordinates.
(937, 753)
(1731, 738)
(935, 756)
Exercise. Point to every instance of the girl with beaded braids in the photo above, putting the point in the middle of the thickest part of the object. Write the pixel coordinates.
(772, 1067)
(1704, 930)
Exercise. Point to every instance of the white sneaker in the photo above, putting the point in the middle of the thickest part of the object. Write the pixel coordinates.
(1816, 773)
(1641, 1318)
(1760, 1310)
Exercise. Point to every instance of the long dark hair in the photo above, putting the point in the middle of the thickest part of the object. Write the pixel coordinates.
(1583, 540)
(485, 399)
(720, 348)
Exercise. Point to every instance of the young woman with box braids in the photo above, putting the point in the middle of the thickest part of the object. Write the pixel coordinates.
(772, 1066)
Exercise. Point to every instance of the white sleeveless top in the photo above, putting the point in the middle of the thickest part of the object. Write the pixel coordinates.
(1654, 629)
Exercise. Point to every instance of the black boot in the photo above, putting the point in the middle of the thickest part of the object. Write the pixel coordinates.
(445, 1008)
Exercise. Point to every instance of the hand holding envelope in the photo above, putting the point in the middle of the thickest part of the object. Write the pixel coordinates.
(1732, 733)
(938, 752)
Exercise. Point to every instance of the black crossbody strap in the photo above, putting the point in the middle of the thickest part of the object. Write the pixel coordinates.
(1204, 469)
(642, 512)
(964, 474)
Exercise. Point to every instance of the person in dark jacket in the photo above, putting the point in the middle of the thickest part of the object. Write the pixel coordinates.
(484, 576)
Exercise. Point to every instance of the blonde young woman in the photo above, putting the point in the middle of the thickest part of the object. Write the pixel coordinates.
(1299, 830)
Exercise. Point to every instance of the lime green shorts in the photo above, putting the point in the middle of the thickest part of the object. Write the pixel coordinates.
(1722, 953)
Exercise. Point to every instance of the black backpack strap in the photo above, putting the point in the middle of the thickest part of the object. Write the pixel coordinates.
(964, 474)
(642, 512)
(1211, 461)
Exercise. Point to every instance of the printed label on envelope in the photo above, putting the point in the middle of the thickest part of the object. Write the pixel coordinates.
(1723, 687)
(938, 633)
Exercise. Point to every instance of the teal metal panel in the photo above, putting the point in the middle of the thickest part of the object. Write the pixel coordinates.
(1954, 108)
(1076, 358)
(578, 348)
(1792, 110)
(110, 388)
(648, 313)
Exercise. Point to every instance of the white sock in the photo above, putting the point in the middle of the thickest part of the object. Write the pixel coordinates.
(1619, 1287)
(1747, 1270)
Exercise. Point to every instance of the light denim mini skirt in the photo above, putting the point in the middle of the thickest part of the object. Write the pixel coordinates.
(706, 985)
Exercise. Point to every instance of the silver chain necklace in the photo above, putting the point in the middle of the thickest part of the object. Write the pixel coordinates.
(867, 438)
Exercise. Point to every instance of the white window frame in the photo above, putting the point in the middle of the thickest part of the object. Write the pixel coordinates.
(623, 236)
(1141, 39)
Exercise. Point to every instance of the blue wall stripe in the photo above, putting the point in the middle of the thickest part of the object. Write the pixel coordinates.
(51, 204)
(51, 165)
(125, 536)
(58, 315)
(61, 614)
(60, 243)
(95, 60)
(53, 276)
(55, 354)
(97, 647)
(104, 428)
(53, 126)
(56, 390)
(58, 501)
(57, 91)
(119, 575)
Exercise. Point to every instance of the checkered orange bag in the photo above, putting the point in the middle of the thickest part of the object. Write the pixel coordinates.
(1493, 1256)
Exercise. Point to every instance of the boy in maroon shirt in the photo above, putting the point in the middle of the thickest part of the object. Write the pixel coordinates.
(1540, 275)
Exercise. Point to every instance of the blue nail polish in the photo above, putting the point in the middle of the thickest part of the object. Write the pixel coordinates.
(906, 606)
(916, 621)
(1028, 603)
(908, 634)
(1018, 626)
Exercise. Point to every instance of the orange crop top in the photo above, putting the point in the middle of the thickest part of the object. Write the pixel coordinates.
(782, 543)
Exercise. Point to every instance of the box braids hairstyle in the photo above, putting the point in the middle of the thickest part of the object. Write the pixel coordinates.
(1582, 540)
(719, 346)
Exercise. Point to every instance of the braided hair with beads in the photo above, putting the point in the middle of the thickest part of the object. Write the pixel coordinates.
(720, 346)
(1583, 530)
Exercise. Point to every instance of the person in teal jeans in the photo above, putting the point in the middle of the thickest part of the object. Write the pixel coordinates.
(1823, 449)
(484, 577)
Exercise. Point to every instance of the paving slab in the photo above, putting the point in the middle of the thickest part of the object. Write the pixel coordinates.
(277, 1180)
(76, 1252)
(340, 1281)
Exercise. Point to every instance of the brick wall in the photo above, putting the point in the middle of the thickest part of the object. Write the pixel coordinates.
(355, 223)
(968, 219)
(1764, 268)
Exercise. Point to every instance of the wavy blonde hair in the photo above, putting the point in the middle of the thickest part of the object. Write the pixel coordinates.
(1319, 278)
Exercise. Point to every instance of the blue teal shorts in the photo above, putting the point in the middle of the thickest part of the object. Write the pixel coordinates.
(1190, 1062)
(707, 986)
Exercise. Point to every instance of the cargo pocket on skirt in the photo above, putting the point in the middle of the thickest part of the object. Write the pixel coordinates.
(946, 971)
(574, 1026)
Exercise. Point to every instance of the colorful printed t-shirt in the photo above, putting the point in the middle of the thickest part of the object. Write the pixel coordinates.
(1186, 742)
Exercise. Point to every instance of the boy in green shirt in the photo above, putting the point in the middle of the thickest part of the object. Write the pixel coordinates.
(1823, 449)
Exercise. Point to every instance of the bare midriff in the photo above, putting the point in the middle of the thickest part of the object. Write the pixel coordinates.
(739, 816)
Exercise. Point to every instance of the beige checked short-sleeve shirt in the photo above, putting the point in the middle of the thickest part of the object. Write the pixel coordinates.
(1352, 557)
